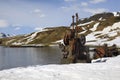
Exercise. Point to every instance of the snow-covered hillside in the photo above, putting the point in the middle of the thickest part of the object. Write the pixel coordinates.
(109, 70)
(107, 33)
(99, 29)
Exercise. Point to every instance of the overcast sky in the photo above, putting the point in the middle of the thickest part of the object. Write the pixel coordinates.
(26, 16)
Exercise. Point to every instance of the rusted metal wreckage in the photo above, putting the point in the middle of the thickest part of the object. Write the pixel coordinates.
(74, 48)
(105, 51)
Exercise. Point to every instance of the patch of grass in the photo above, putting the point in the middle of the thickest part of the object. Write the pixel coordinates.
(50, 36)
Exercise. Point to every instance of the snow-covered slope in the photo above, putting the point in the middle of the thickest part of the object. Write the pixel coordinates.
(109, 70)
(99, 29)
(105, 28)
(104, 36)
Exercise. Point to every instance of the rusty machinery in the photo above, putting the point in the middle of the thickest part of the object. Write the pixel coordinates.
(74, 45)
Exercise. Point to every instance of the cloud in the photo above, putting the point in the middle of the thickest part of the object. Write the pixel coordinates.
(96, 1)
(17, 28)
(17, 25)
(38, 29)
(3, 23)
(69, 0)
(75, 7)
(95, 11)
(39, 13)
(84, 4)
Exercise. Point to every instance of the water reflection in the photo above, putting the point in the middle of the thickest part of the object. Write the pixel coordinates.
(22, 57)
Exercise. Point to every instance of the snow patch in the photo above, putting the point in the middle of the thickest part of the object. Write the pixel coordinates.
(115, 41)
(116, 14)
(100, 19)
(30, 38)
(90, 37)
(95, 26)
(112, 34)
(108, 30)
(86, 23)
(82, 32)
(59, 41)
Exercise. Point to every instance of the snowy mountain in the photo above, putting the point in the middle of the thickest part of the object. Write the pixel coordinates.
(99, 29)
(109, 70)
(3, 35)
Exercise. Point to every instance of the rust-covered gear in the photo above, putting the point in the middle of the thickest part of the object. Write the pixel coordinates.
(69, 35)
(99, 52)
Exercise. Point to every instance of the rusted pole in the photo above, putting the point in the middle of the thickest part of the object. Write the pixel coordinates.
(77, 19)
(76, 28)
(73, 21)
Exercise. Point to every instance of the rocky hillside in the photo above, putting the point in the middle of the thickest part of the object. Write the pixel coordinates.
(99, 29)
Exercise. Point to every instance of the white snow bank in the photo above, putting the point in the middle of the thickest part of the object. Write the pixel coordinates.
(116, 14)
(83, 32)
(59, 41)
(112, 34)
(86, 23)
(114, 60)
(38, 29)
(108, 29)
(115, 41)
(95, 26)
(104, 41)
(17, 43)
(90, 37)
(109, 70)
(100, 18)
(31, 37)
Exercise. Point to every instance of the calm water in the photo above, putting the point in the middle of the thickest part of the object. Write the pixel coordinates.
(22, 57)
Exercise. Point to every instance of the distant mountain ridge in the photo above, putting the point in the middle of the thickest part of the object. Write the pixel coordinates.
(3, 35)
(99, 29)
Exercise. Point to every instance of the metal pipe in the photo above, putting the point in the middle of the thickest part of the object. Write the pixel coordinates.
(76, 19)
(73, 21)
